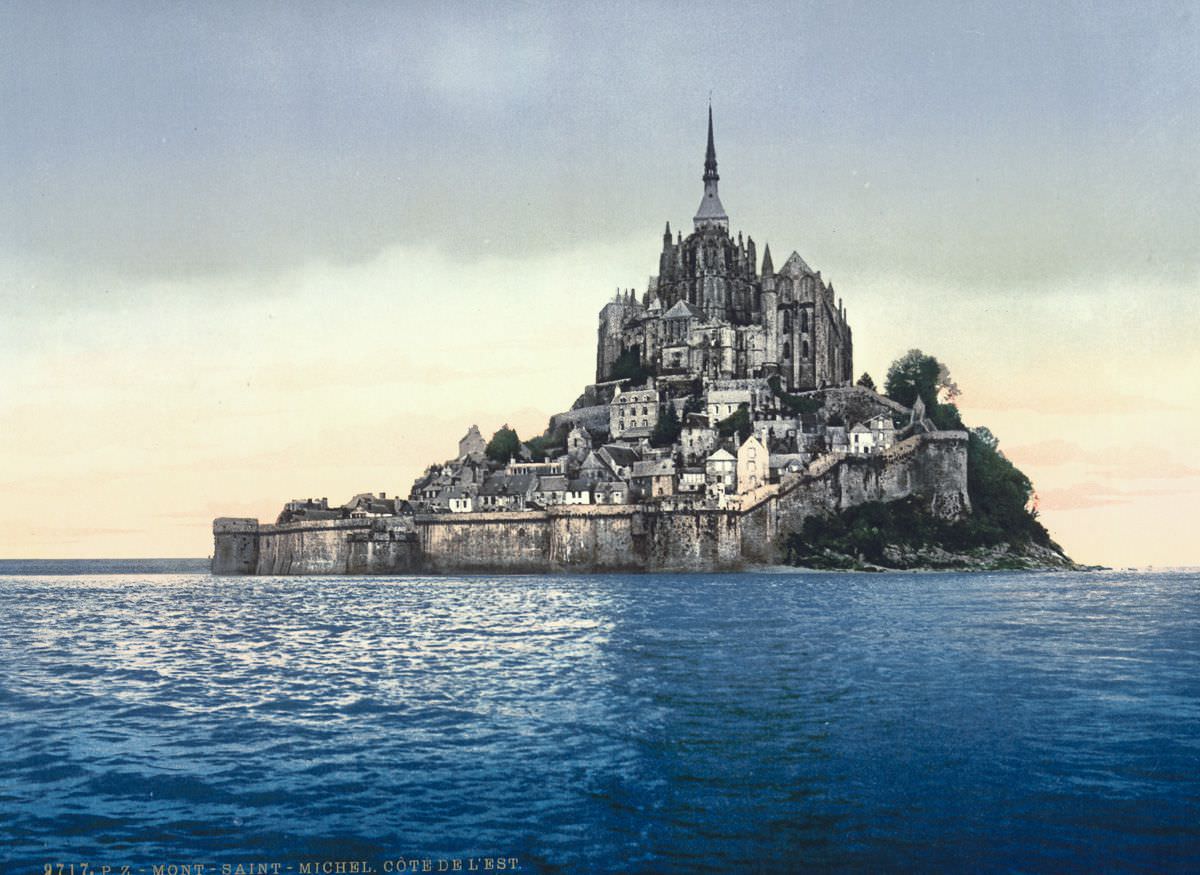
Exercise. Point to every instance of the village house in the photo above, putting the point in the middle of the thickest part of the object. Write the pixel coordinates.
(594, 469)
(579, 444)
(836, 439)
(862, 440)
(578, 492)
(366, 504)
(753, 465)
(472, 445)
(723, 403)
(654, 478)
(698, 437)
(308, 509)
(720, 471)
(619, 459)
(506, 492)
(610, 492)
(782, 464)
(691, 480)
(551, 490)
(460, 500)
(633, 413)
(883, 429)
(554, 466)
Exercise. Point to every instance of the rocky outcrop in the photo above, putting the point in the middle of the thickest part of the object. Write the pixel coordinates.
(1003, 557)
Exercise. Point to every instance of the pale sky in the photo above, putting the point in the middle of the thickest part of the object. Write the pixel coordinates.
(259, 251)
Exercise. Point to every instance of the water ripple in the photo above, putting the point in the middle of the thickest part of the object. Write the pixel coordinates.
(759, 722)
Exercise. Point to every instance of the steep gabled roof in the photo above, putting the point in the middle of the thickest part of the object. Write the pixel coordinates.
(796, 266)
(623, 456)
(683, 310)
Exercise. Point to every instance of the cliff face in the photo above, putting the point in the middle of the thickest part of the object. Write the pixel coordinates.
(601, 538)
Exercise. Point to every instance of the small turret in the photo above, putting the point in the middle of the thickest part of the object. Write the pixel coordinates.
(768, 268)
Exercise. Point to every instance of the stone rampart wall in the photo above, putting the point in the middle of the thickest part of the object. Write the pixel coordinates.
(597, 537)
(593, 418)
(932, 467)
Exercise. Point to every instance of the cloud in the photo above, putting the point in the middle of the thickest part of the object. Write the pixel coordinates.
(1094, 494)
(1128, 461)
(1066, 402)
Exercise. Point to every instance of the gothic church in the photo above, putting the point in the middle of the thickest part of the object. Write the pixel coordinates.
(711, 312)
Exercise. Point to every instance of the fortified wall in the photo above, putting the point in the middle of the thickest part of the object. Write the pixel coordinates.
(601, 538)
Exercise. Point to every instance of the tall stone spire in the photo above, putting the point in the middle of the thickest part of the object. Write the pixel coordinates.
(711, 214)
(710, 155)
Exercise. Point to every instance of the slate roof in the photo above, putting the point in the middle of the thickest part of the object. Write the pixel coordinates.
(308, 513)
(711, 207)
(622, 456)
(507, 484)
(796, 266)
(654, 468)
(722, 455)
(684, 310)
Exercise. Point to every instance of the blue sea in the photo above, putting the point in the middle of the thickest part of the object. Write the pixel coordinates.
(154, 716)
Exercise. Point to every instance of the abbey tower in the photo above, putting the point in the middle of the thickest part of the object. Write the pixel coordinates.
(713, 312)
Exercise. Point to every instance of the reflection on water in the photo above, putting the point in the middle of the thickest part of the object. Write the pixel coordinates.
(759, 722)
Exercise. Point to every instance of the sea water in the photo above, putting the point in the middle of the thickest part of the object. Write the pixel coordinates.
(154, 715)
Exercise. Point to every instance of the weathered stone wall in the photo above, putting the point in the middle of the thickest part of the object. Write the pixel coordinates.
(384, 545)
(698, 540)
(235, 545)
(512, 542)
(932, 467)
(597, 539)
(600, 538)
(593, 418)
(855, 403)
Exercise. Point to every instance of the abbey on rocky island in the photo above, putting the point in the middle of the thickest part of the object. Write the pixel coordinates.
(722, 379)
(712, 312)
(722, 416)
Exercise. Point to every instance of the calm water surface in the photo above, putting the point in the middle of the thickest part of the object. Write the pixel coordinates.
(734, 723)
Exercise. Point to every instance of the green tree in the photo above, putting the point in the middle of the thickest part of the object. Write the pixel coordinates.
(1000, 491)
(794, 403)
(503, 446)
(541, 445)
(668, 427)
(737, 423)
(985, 435)
(914, 375)
(866, 382)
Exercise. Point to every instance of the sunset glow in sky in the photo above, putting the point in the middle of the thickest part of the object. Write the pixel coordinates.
(253, 252)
